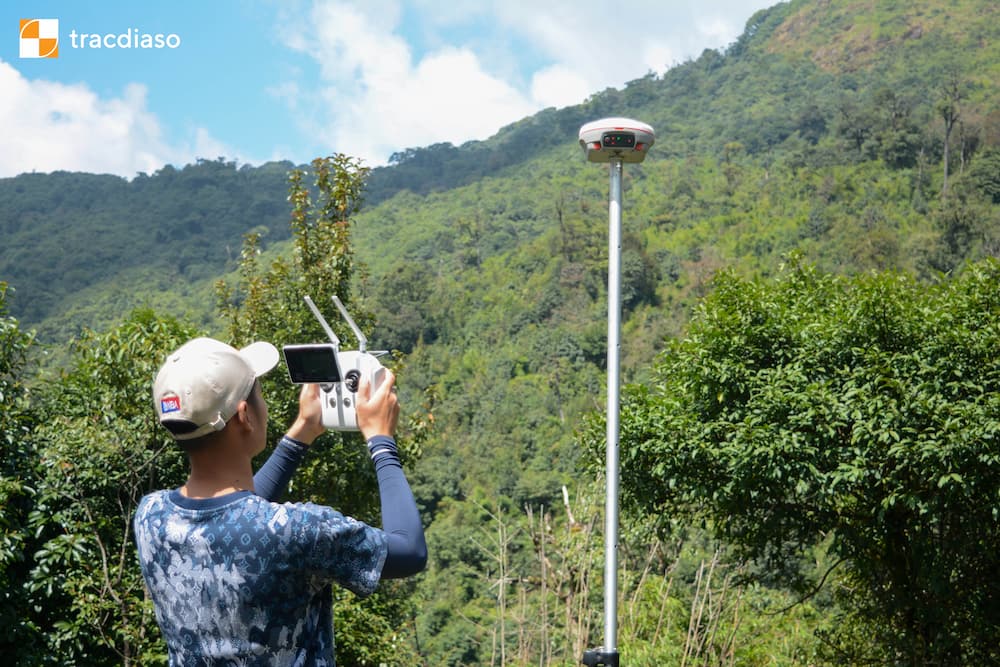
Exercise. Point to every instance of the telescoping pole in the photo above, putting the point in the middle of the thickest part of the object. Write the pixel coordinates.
(615, 141)
(614, 388)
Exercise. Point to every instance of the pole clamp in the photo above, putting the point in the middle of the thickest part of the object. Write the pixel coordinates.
(600, 658)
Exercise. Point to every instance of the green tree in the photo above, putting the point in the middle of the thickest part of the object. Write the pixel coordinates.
(268, 305)
(985, 174)
(20, 637)
(899, 138)
(862, 409)
(855, 124)
(949, 108)
(100, 450)
(404, 296)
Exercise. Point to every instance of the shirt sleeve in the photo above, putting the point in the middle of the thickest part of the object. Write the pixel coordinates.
(272, 479)
(400, 517)
(348, 551)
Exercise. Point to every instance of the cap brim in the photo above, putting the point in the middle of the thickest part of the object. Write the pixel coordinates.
(261, 356)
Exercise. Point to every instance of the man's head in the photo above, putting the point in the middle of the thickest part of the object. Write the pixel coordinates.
(201, 385)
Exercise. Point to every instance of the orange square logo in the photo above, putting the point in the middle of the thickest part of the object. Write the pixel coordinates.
(39, 38)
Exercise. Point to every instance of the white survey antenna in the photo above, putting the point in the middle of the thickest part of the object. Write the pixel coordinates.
(616, 138)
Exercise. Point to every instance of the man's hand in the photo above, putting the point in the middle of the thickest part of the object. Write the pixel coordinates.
(378, 412)
(309, 424)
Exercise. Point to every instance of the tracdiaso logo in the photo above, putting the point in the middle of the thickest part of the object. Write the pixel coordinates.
(130, 39)
(39, 38)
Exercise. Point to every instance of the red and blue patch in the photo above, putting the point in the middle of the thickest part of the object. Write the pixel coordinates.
(170, 404)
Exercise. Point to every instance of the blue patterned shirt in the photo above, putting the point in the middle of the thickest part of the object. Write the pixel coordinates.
(240, 580)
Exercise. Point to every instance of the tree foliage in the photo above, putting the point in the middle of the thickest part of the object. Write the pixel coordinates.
(20, 637)
(268, 304)
(860, 409)
(99, 450)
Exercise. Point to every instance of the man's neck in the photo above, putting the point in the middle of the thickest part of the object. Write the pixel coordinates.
(199, 489)
(211, 481)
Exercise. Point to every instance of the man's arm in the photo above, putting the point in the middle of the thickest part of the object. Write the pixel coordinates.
(378, 413)
(272, 479)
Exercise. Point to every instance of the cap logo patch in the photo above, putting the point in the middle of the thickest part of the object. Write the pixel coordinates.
(171, 403)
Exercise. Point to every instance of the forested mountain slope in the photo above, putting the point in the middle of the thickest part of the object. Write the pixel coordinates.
(496, 288)
(809, 87)
(81, 249)
(864, 136)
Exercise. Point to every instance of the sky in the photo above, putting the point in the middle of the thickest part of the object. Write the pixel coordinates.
(137, 85)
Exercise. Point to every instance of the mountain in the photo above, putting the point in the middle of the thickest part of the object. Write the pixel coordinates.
(80, 249)
(804, 80)
(863, 135)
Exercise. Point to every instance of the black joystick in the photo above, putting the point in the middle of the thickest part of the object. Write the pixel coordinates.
(351, 379)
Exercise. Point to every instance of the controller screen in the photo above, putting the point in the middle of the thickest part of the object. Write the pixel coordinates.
(312, 364)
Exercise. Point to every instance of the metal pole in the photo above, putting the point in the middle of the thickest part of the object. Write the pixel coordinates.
(615, 141)
(614, 372)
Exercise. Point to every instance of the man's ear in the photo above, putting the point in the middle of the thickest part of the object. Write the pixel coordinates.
(244, 414)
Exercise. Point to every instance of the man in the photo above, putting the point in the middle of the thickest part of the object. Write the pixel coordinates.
(236, 578)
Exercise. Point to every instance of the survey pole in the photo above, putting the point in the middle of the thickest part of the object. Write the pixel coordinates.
(614, 141)
(614, 403)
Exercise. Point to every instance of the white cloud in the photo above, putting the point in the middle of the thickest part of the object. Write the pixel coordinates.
(379, 94)
(609, 44)
(372, 77)
(377, 100)
(559, 86)
(52, 126)
(448, 97)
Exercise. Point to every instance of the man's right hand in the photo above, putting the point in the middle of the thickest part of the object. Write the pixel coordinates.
(378, 411)
(308, 424)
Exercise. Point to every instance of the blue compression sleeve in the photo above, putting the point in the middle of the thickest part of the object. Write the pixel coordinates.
(272, 479)
(400, 517)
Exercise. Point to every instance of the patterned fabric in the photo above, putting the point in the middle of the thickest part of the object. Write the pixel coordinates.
(239, 580)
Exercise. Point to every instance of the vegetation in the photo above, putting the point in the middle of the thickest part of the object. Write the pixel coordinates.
(268, 305)
(17, 485)
(860, 413)
(806, 476)
(86, 248)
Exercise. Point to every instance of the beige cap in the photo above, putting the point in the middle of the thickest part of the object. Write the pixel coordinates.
(201, 385)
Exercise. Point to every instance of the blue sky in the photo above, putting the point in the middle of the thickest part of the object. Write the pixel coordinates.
(258, 80)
